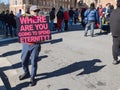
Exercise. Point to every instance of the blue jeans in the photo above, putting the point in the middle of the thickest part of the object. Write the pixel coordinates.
(71, 20)
(14, 31)
(51, 25)
(30, 52)
(8, 30)
(100, 22)
(91, 25)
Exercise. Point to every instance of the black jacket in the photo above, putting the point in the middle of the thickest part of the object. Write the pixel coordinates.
(115, 22)
(52, 15)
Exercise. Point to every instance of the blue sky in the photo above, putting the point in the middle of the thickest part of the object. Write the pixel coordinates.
(5, 1)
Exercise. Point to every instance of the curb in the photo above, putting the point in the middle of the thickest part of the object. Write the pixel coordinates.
(8, 39)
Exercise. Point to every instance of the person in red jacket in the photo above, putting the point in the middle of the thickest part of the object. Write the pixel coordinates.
(66, 18)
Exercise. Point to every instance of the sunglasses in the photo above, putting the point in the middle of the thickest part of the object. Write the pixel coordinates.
(36, 10)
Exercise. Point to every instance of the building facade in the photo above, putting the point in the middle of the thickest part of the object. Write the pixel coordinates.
(103, 2)
(46, 5)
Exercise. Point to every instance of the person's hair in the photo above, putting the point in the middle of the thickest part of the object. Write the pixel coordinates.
(76, 9)
(118, 3)
(92, 6)
(53, 8)
(20, 10)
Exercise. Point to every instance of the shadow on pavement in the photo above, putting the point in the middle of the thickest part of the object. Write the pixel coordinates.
(21, 86)
(18, 65)
(11, 53)
(56, 41)
(64, 89)
(5, 80)
(88, 66)
(53, 41)
(7, 42)
(14, 66)
(100, 34)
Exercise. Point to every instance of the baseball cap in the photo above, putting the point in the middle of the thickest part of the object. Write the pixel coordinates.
(34, 8)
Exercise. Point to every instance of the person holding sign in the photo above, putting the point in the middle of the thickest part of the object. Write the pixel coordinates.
(30, 50)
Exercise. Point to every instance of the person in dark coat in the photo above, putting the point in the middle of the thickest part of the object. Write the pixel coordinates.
(71, 14)
(52, 17)
(115, 30)
(7, 24)
(13, 23)
(83, 9)
(76, 16)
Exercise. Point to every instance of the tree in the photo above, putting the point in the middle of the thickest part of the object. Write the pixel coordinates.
(75, 3)
(3, 6)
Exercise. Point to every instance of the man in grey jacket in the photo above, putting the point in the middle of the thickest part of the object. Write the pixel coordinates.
(115, 30)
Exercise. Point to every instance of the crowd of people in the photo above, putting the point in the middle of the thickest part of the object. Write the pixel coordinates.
(8, 23)
(64, 18)
(99, 15)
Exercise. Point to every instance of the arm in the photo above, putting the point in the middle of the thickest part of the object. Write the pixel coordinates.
(85, 13)
(97, 16)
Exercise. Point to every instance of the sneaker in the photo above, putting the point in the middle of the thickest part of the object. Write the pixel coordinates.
(115, 62)
(24, 76)
(32, 82)
(110, 33)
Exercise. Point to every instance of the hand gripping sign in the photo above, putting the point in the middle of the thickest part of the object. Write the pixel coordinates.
(33, 29)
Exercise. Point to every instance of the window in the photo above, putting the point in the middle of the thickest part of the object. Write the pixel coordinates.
(43, 2)
(20, 2)
(27, 2)
(15, 2)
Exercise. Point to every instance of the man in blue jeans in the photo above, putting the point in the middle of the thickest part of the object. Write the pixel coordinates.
(92, 17)
(30, 51)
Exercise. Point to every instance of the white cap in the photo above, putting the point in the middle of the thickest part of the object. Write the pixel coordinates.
(34, 7)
